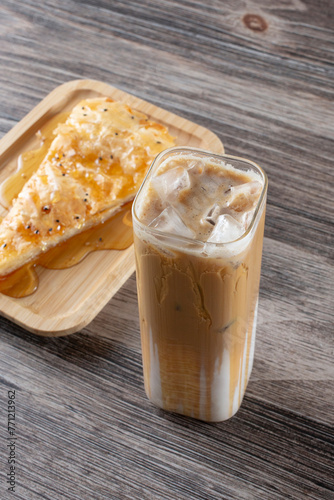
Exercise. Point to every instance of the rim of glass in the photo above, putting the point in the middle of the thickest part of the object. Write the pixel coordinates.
(166, 152)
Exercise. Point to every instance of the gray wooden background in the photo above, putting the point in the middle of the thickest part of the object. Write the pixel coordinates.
(260, 75)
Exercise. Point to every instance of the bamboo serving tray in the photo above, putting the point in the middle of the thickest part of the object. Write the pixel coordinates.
(67, 300)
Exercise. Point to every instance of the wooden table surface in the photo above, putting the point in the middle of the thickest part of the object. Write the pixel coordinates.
(260, 75)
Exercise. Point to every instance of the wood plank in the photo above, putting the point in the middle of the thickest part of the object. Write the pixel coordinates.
(267, 450)
(83, 418)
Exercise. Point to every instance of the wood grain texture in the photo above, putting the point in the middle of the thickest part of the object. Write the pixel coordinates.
(85, 428)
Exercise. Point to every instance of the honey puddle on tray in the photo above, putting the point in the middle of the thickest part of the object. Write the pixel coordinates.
(114, 234)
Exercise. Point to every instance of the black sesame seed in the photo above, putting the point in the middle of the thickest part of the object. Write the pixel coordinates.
(116, 133)
(83, 107)
(85, 114)
(85, 199)
(100, 158)
(64, 155)
(111, 156)
(77, 217)
(132, 117)
(4, 245)
(28, 227)
(158, 142)
(63, 175)
(105, 109)
(100, 239)
(50, 229)
(60, 164)
(57, 220)
(37, 231)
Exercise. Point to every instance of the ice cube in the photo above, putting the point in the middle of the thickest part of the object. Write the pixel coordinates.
(246, 218)
(226, 229)
(169, 221)
(212, 215)
(169, 184)
(191, 165)
(243, 197)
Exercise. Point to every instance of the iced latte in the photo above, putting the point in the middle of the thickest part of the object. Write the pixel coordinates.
(198, 226)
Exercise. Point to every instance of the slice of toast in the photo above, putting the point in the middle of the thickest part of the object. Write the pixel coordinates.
(95, 164)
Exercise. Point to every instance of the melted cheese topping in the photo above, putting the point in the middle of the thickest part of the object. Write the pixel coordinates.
(95, 164)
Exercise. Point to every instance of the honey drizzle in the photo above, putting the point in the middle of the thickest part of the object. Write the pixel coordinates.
(114, 234)
(29, 161)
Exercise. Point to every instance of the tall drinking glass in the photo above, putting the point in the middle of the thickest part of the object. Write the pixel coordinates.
(198, 231)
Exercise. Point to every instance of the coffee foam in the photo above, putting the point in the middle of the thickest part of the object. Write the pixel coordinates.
(217, 176)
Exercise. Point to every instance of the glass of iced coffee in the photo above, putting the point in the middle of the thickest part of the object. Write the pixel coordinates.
(198, 230)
